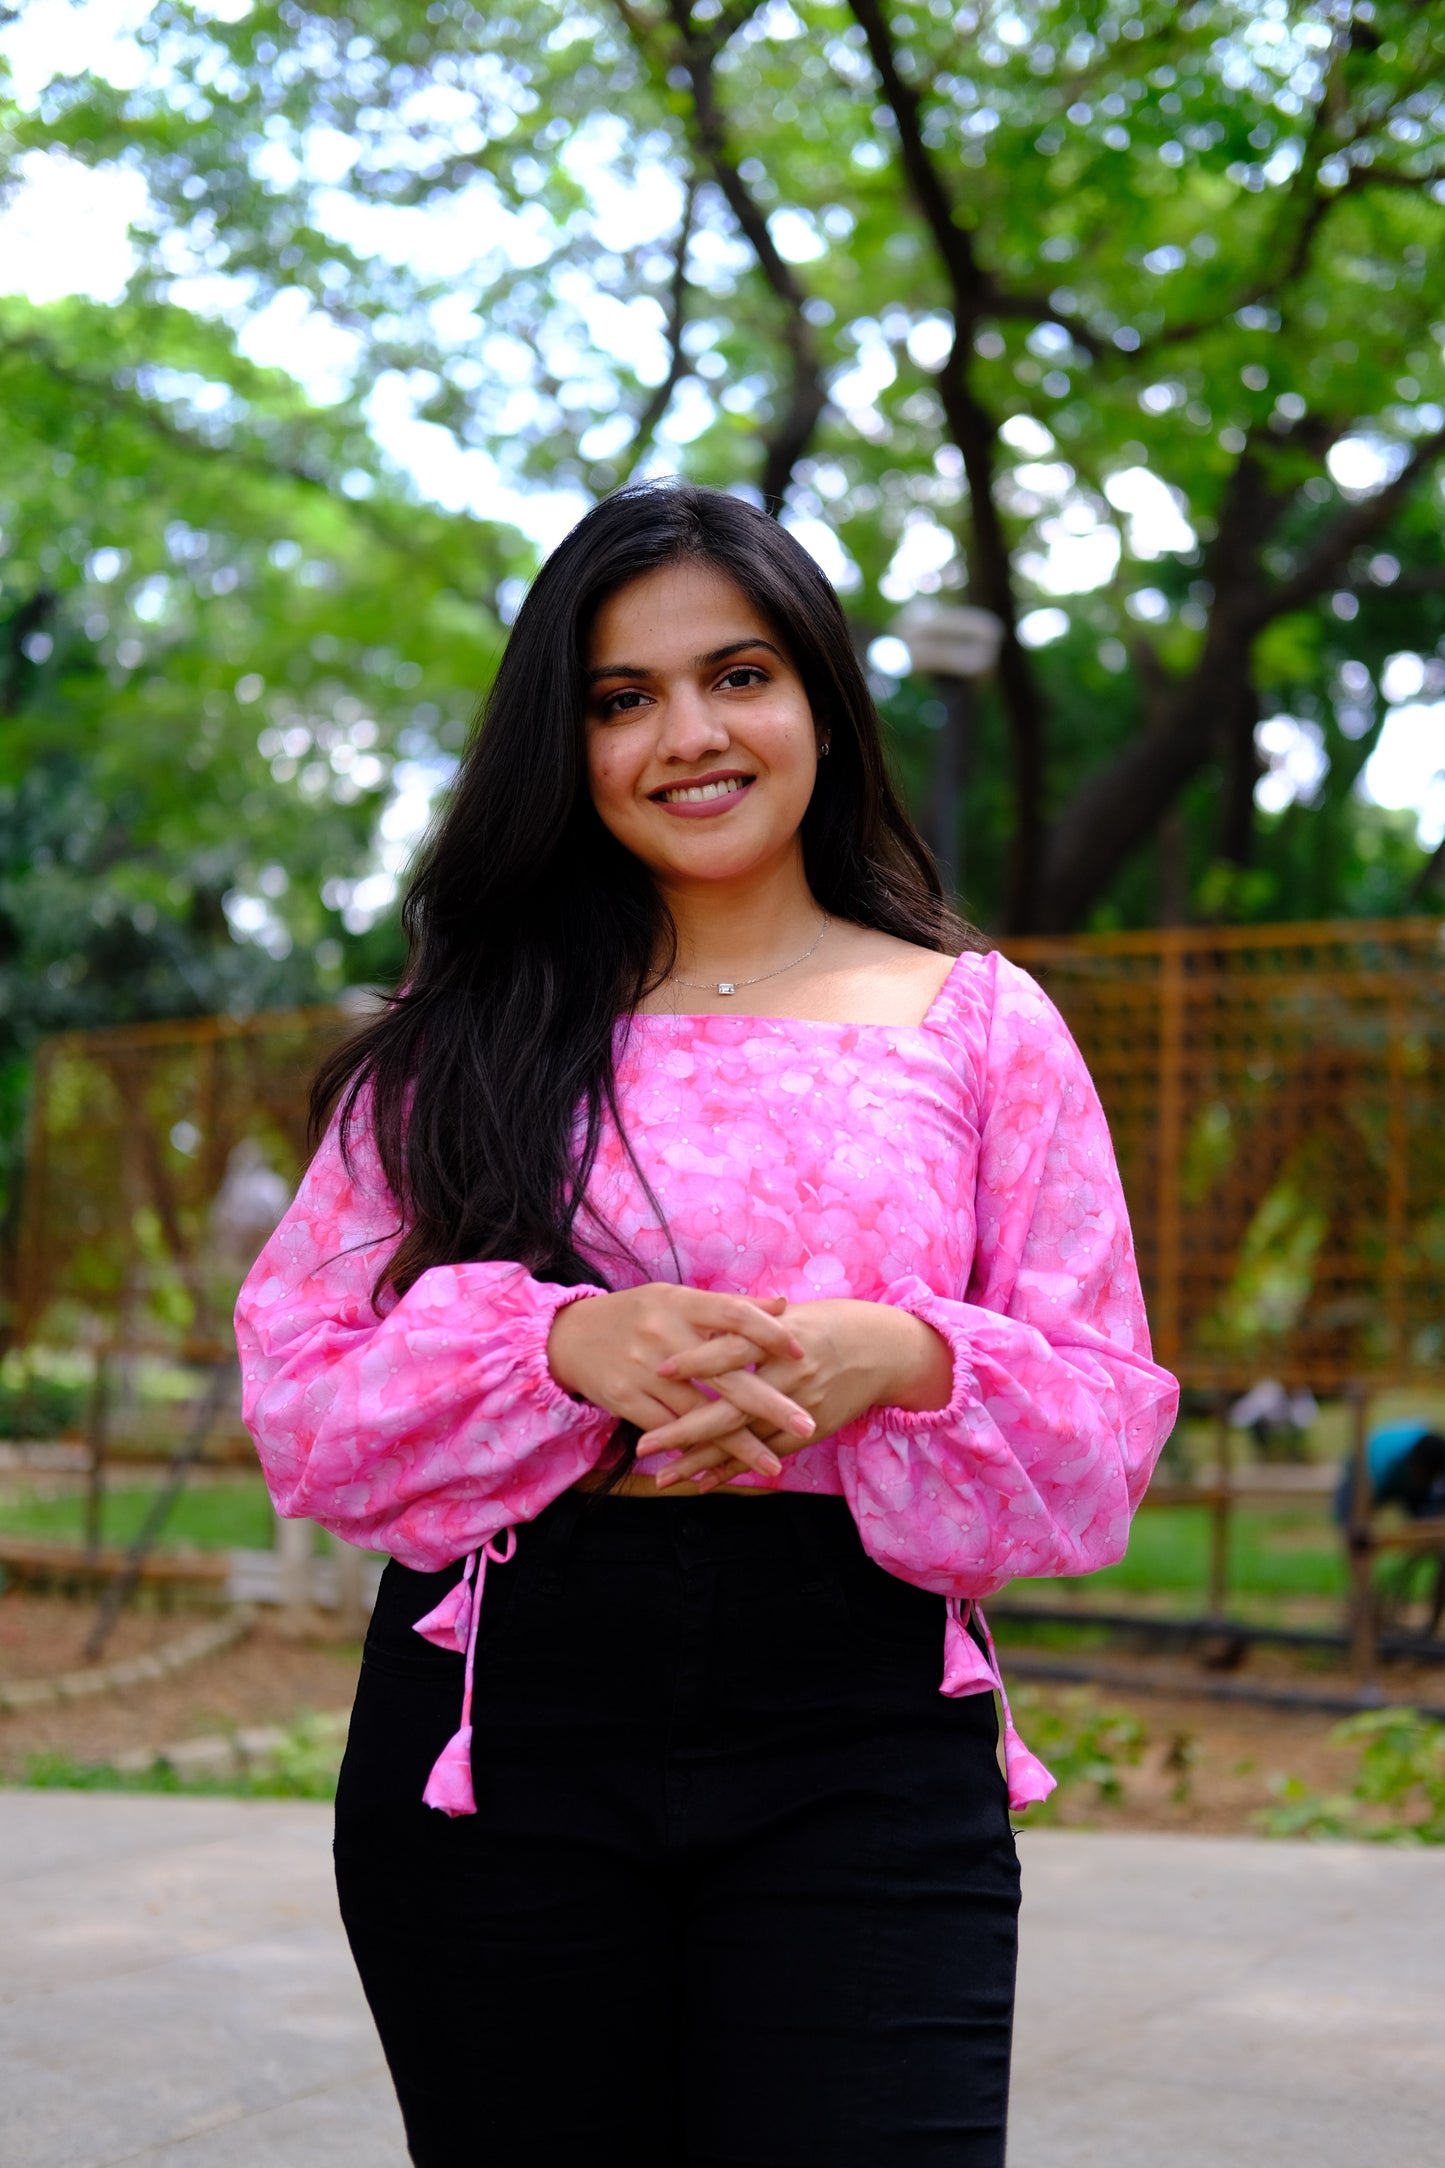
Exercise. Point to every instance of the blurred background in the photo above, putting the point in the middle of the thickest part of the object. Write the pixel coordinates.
(1096, 352)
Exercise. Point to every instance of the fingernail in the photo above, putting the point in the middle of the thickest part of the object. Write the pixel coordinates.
(663, 1478)
(795, 1349)
(802, 1424)
(771, 1464)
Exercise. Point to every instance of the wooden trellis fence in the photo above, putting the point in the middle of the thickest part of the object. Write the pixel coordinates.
(1277, 1098)
(156, 1154)
(1275, 1095)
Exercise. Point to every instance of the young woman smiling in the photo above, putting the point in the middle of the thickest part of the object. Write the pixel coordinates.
(700, 1159)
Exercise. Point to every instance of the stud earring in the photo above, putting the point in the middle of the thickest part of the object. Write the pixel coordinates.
(825, 748)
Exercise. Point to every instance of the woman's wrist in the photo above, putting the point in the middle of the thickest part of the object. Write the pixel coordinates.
(565, 1337)
(917, 1362)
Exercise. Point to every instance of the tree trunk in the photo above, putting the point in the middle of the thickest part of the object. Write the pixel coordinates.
(1242, 770)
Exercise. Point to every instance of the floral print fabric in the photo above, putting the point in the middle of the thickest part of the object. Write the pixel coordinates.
(960, 1168)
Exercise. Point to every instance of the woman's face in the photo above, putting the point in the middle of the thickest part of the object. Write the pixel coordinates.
(701, 748)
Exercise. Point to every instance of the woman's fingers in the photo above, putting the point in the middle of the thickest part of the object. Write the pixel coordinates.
(650, 1414)
(710, 1358)
(765, 1408)
(716, 1478)
(703, 1426)
(721, 1462)
(758, 1322)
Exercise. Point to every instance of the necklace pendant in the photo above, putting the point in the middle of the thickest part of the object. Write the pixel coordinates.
(726, 986)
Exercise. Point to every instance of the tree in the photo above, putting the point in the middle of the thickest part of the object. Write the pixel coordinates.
(979, 290)
(213, 664)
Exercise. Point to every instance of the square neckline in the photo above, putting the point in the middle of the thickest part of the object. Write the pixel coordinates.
(929, 1021)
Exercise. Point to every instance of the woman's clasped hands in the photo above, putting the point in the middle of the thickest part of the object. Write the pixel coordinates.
(736, 1383)
(614, 1350)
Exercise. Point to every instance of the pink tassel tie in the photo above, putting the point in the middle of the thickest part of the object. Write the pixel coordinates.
(966, 1670)
(453, 1625)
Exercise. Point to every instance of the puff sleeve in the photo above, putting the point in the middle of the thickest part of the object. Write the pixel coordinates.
(423, 1426)
(1058, 1412)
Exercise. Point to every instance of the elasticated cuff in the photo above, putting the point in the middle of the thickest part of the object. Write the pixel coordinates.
(535, 1377)
(919, 1300)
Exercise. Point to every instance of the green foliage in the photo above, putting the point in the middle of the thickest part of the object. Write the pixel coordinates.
(306, 1762)
(1198, 244)
(1397, 1795)
(215, 660)
(1083, 1744)
(208, 1517)
(303, 1765)
(37, 1406)
(215, 665)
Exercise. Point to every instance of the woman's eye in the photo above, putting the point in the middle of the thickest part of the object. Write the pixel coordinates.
(621, 703)
(746, 674)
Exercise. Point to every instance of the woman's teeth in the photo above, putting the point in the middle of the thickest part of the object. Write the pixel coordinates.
(693, 793)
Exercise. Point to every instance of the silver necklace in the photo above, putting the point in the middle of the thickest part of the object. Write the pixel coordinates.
(732, 986)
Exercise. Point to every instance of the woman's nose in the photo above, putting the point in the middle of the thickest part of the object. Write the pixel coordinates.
(691, 726)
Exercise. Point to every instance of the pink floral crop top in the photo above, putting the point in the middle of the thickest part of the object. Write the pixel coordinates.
(960, 1168)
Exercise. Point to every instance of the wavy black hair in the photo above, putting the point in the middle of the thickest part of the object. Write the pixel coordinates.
(531, 929)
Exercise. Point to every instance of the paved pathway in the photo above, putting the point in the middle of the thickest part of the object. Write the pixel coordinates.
(1211, 2002)
(175, 1993)
(175, 1989)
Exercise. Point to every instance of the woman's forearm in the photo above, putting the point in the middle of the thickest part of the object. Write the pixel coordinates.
(915, 1362)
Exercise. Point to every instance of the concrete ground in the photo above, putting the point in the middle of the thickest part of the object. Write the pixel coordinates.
(175, 1991)
(1208, 2002)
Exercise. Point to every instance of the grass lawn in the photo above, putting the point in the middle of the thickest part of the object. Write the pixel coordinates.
(215, 1517)
(1274, 1552)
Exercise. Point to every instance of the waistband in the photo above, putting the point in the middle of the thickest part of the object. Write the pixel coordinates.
(805, 1535)
(793, 1527)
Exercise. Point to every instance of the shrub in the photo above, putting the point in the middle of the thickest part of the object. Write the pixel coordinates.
(1082, 1744)
(1397, 1795)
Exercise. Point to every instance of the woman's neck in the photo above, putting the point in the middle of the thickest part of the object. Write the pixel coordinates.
(737, 932)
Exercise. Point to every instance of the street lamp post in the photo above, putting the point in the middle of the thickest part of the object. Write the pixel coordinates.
(955, 645)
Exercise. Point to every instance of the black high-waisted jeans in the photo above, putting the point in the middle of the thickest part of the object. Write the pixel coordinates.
(741, 1890)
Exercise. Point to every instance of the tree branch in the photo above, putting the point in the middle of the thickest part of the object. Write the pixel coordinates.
(1120, 805)
(975, 433)
(139, 410)
(33, 615)
(694, 49)
(1303, 207)
(1433, 867)
(1354, 526)
(678, 365)
(1039, 309)
(788, 438)
(1326, 136)
(952, 240)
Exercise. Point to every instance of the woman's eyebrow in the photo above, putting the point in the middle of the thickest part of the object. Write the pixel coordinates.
(619, 669)
(735, 647)
(700, 662)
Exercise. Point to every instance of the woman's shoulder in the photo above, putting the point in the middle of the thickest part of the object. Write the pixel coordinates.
(880, 978)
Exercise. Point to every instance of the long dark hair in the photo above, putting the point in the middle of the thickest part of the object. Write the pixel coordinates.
(531, 930)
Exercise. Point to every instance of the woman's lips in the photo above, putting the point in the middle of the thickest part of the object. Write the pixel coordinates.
(702, 809)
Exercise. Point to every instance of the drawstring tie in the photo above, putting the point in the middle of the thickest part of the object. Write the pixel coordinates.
(967, 1670)
(453, 1626)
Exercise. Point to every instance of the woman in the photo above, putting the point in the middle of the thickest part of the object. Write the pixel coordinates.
(741, 1271)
